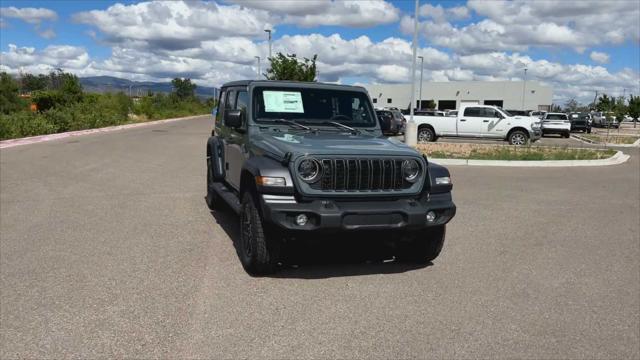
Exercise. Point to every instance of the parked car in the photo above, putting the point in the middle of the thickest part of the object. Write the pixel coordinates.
(580, 122)
(399, 118)
(480, 121)
(429, 113)
(389, 123)
(295, 160)
(518, 112)
(604, 120)
(539, 114)
(556, 123)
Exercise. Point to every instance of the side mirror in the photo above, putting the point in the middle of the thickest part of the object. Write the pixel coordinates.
(233, 118)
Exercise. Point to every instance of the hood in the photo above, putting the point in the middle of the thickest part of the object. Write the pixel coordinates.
(327, 143)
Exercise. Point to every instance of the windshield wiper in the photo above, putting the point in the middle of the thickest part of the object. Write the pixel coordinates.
(335, 123)
(288, 122)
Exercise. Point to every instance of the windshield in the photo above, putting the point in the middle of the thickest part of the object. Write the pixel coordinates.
(313, 105)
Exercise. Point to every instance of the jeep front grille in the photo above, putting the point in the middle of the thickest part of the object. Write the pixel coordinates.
(361, 175)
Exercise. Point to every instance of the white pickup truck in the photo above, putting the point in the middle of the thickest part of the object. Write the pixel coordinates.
(480, 121)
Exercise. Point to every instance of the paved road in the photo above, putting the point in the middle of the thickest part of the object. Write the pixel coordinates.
(107, 249)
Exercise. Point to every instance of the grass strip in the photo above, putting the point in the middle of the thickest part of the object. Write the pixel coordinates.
(506, 152)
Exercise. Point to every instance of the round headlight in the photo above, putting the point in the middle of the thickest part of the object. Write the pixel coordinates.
(309, 170)
(410, 170)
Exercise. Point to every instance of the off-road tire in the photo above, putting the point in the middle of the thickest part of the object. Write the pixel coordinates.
(566, 135)
(426, 134)
(257, 248)
(423, 246)
(518, 138)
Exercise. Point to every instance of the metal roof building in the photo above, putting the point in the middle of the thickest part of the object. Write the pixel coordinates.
(449, 95)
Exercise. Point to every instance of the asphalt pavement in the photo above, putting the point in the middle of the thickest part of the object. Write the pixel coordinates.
(107, 249)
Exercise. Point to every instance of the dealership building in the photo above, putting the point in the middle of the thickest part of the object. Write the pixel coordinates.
(450, 95)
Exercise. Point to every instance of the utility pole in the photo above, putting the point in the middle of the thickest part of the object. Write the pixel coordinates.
(421, 70)
(411, 132)
(258, 58)
(268, 31)
(524, 87)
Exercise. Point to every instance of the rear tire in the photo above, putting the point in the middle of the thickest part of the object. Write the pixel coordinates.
(258, 249)
(566, 135)
(423, 247)
(518, 138)
(426, 134)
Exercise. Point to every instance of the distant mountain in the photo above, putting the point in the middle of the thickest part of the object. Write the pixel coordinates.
(101, 84)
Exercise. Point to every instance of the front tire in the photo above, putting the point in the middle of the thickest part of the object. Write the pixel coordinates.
(258, 251)
(566, 135)
(423, 247)
(518, 138)
(426, 134)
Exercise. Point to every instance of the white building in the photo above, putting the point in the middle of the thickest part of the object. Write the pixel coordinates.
(449, 95)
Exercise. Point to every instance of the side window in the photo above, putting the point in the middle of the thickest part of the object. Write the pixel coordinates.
(389, 101)
(242, 101)
(221, 104)
(473, 112)
(230, 101)
(375, 100)
(490, 113)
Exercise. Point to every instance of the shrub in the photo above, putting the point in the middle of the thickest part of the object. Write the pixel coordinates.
(23, 123)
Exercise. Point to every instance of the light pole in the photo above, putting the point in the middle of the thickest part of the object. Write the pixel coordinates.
(258, 58)
(411, 132)
(421, 70)
(524, 87)
(268, 31)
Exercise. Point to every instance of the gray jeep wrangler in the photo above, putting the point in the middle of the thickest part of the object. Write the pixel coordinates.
(297, 160)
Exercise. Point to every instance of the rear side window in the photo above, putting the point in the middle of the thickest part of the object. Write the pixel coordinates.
(473, 112)
(490, 113)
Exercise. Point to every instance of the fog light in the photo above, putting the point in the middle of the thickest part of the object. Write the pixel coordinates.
(431, 216)
(302, 219)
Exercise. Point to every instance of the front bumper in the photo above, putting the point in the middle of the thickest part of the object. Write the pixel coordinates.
(334, 215)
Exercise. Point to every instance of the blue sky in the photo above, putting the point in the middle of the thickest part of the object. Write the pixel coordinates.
(576, 47)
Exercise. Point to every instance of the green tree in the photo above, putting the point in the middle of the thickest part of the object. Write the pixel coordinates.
(605, 103)
(289, 67)
(10, 100)
(184, 88)
(32, 82)
(634, 108)
(620, 108)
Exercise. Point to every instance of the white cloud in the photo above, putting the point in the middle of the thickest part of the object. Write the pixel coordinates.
(174, 25)
(599, 57)
(519, 24)
(311, 13)
(30, 15)
(34, 16)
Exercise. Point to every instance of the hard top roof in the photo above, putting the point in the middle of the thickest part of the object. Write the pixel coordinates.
(302, 84)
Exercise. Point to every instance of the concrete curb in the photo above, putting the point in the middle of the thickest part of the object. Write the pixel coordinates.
(589, 141)
(42, 138)
(616, 159)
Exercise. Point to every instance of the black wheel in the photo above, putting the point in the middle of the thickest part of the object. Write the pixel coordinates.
(423, 246)
(519, 138)
(588, 131)
(566, 135)
(212, 197)
(258, 250)
(426, 134)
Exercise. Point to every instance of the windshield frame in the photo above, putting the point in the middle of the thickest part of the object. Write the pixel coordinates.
(368, 108)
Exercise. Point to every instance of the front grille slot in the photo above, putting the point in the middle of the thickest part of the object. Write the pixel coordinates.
(352, 175)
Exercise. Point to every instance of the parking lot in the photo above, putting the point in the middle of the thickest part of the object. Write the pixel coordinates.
(108, 250)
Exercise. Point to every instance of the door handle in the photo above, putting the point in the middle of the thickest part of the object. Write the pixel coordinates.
(485, 120)
(461, 120)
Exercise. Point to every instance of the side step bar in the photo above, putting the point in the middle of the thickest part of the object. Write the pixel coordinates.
(228, 196)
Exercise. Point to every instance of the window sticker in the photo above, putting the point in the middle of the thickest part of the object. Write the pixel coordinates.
(283, 101)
